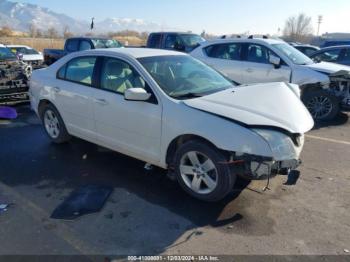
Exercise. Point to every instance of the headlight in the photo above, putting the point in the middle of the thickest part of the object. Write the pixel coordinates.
(281, 145)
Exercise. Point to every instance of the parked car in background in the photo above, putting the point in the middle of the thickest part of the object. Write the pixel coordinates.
(161, 106)
(329, 43)
(183, 42)
(334, 54)
(307, 49)
(75, 44)
(28, 55)
(14, 75)
(325, 87)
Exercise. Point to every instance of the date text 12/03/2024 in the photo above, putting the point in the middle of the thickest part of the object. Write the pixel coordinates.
(173, 258)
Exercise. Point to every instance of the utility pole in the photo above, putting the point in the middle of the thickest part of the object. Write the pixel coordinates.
(319, 22)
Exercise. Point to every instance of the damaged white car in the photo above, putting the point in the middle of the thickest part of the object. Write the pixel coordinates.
(172, 111)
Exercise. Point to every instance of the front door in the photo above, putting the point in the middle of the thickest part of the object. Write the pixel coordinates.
(130, 127)
(256, 67)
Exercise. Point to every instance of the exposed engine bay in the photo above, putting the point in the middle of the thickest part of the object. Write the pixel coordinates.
(340, 87)
(14, 78)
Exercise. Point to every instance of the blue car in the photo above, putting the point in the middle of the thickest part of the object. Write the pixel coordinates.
(334, 54)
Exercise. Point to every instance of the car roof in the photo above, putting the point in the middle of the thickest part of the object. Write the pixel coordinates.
(306, 45)
(14, 46)
(268, 41)
(173, 32)
(335, 47)
(135, 52)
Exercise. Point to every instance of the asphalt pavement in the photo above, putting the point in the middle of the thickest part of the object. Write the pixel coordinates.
(149, 214)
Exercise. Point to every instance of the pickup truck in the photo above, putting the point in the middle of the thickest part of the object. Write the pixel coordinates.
(183, 42)
(78, 44)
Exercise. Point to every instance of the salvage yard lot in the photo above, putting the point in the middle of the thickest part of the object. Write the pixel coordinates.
(149, 214)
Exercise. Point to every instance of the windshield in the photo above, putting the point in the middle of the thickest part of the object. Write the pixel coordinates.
(191, 40)
(5, 53)
(24, 51)
(184, 77)
(293, 54)
(106, 43)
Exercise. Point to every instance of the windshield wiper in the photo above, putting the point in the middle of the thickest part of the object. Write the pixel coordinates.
(187, 95)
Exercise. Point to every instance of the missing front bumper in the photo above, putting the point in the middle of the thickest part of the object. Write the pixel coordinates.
(258, 169)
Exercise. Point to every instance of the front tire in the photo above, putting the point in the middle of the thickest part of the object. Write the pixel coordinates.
(322, 105)
(54, 125)
(201, 172)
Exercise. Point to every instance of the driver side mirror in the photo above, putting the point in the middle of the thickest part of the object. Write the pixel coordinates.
(136, 94)
(276, 61)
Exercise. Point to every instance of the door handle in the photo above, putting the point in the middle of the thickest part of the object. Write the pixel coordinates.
(101, 101)
(57, 89)
(249, 70)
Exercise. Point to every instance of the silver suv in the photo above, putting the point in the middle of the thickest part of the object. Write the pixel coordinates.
(325, 87)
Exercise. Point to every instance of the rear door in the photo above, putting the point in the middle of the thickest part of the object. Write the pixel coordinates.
(256, 66)
(72, 96)
(226, 58)
(129, 127)
(154, 40)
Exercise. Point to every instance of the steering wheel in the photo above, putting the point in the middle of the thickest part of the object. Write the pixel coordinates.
(183, 86)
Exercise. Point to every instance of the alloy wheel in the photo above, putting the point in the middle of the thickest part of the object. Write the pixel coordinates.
(320, 107)
(198, 172)
(52, 125)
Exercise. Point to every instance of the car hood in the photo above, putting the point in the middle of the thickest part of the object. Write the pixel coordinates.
(270, 104)
(33, 57)
(328, 68)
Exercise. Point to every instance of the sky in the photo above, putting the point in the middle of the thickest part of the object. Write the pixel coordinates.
(213, 16)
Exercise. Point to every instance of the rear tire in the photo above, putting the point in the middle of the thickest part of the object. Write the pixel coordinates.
(201, 172)
(54, 125)
(322, 105)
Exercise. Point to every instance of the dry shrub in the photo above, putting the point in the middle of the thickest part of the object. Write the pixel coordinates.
(37, 43)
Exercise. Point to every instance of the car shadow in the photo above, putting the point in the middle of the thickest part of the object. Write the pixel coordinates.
(339, 120)
(152, 212)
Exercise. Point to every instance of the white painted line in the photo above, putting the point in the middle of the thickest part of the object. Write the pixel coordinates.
(329, 140)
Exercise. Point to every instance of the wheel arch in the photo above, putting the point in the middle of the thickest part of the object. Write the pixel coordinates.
(182, 139)
(42, 104)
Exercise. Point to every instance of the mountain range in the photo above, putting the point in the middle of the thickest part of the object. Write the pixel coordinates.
(20, 16)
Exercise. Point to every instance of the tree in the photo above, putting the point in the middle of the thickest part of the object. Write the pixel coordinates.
(66, 32)
(52, 33)
(33, 31)
(6, 31)
(298, 28)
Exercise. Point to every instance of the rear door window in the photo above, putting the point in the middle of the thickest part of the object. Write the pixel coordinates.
(154, 41)
(224, 51)
(80, 70)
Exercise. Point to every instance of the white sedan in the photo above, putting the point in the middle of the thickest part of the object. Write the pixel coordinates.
(28, 55)
(172, 111)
